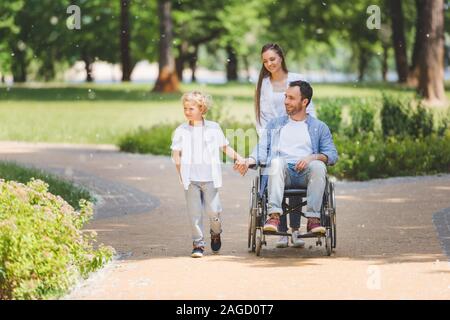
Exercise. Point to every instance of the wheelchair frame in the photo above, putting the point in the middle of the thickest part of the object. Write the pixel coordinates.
(258, 215)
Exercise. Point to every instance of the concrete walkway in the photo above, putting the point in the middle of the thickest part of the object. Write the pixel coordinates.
(392, 235)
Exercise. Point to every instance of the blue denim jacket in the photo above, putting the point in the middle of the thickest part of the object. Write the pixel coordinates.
(321, 142)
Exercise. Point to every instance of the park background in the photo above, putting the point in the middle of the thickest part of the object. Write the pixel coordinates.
(112, 73)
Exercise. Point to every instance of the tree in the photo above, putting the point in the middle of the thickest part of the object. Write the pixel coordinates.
(431, 57)
(414, 69)
(125, 39)
(196, 23)
(13, 51)
(167, 78)
(399, 41)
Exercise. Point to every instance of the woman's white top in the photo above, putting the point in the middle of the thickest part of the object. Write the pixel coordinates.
(272, 103)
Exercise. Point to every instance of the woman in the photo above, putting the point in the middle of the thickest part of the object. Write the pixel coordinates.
(273, 81)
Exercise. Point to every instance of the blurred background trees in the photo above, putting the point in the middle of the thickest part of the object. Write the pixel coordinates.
(226, 35)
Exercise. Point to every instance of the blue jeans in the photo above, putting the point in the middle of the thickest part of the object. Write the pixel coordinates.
(200, 197)
(283, 175)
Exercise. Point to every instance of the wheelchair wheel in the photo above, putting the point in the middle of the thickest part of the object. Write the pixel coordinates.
(329, 241)
(332, 205)
(252, 215)
(259, 241)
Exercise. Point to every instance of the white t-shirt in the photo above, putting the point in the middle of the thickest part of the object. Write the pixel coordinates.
(295, 141)
(200, 152)
(201, 169)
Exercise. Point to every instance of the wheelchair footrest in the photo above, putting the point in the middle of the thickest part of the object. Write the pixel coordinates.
(311, 235)
(272, 233)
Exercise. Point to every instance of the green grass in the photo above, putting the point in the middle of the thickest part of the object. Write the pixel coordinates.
(99, 113)
(69, 192)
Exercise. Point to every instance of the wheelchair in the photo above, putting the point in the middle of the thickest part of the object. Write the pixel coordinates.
(258, 214)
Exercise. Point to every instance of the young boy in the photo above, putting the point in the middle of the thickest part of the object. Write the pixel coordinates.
(196, 146)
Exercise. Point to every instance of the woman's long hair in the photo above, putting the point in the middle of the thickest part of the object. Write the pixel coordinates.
(265, 73)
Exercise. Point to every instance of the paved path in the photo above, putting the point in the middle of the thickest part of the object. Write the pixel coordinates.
(392, 236)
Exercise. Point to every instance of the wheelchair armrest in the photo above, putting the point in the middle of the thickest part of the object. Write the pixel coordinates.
(254, 166)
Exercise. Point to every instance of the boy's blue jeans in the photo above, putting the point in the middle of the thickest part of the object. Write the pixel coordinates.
(202, 196)
(283, 175)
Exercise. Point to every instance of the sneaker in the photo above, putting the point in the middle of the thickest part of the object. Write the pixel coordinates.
(282, 242)
(272, 225)
(215, 242)
(314, 226)
(297, 242)
(197, 252)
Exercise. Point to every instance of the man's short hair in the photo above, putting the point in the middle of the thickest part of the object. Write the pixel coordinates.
(306, 90)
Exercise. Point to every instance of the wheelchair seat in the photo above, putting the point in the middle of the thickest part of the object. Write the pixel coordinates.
(294, 192)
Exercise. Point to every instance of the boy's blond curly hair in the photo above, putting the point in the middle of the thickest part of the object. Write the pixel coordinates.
(203, 101)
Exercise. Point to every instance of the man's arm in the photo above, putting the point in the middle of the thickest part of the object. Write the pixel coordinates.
(302, 164)
(327, 147)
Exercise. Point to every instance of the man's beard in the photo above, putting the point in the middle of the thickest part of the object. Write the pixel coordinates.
(294, 111)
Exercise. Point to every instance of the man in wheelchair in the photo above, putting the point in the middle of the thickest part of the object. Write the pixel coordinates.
(296, 150)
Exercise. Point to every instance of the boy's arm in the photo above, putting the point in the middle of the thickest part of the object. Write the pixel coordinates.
(176, 156)
(230, 152)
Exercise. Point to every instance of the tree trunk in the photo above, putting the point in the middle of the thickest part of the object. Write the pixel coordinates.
(167, 78)
(414, 69)
(431, 58)
(232, 74)
(384, 68)
(125, 40)
(362, 63)
(399, 41)
(88, 68)
(247, 67)
(19, 67)
(193, 63)
(180, 61)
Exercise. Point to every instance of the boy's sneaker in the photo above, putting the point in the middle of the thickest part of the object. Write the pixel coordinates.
(314, 226)
(297, 242)
(282, 242)
(216, 243)
(272, 225)
(197, 252)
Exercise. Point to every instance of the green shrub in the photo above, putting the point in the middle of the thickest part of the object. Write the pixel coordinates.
(362, 119)
(155, 140)
(399, 117)
(395, 116)
(57, 186)
(42, 248)
(370, 156)
(330, 112)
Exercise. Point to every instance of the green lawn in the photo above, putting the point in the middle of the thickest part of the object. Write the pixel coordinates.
(97, 113)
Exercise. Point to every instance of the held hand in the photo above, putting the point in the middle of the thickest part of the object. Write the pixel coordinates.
(242, 165)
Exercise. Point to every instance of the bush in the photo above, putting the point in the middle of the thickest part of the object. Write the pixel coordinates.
(155, 140)
(57, 186)
(362, 119)
(330, 112)
(42, 248)
(399, 117)
(370, 156)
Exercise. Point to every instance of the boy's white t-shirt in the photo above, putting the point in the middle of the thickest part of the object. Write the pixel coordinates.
(200, 152)
(295, 141)
(201, 169)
